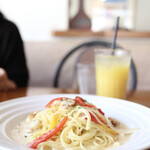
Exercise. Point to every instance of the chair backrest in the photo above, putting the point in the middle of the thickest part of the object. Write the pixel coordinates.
(87, 46)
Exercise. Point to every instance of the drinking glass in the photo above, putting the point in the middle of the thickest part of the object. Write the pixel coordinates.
(86, 78)
(112, 67)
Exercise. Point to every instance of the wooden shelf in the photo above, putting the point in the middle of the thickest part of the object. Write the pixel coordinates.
(121, 33)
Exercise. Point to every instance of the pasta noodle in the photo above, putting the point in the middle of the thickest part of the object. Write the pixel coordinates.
(79, 125)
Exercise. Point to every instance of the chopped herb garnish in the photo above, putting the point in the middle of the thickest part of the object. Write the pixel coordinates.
(79, 106)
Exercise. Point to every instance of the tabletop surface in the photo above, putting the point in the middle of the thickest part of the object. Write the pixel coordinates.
(140, 97)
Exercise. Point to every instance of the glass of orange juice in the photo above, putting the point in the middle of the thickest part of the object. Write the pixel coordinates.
(112, 67)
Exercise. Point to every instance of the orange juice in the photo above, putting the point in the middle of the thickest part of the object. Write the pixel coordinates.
(112, 75)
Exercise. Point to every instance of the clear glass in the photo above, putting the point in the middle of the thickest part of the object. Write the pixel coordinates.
(112, 67)
(86, 78)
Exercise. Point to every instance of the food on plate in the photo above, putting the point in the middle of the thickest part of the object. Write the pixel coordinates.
(72, 124)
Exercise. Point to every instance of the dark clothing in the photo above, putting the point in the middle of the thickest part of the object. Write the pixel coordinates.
(12, 57)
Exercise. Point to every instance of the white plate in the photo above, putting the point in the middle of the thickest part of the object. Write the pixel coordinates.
(131, 114)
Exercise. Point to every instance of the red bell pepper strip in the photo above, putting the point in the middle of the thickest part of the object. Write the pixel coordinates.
(48, 134)
(94, 119)
(53, 100)
(100, 111)
(81, 102)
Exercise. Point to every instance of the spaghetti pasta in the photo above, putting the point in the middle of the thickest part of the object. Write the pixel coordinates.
(71, 124)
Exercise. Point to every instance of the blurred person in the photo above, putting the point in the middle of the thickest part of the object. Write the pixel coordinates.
(13, 68)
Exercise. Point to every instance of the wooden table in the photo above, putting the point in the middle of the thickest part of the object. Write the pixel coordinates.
(32, 91)
(141, 97)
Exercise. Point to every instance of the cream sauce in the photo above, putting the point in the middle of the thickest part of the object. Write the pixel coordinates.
(19, 133)
(123, 131)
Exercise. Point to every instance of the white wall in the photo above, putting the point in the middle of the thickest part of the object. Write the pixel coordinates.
(36, 18)
(142, 15)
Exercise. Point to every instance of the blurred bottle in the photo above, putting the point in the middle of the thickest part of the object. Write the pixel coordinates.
(81, 20)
